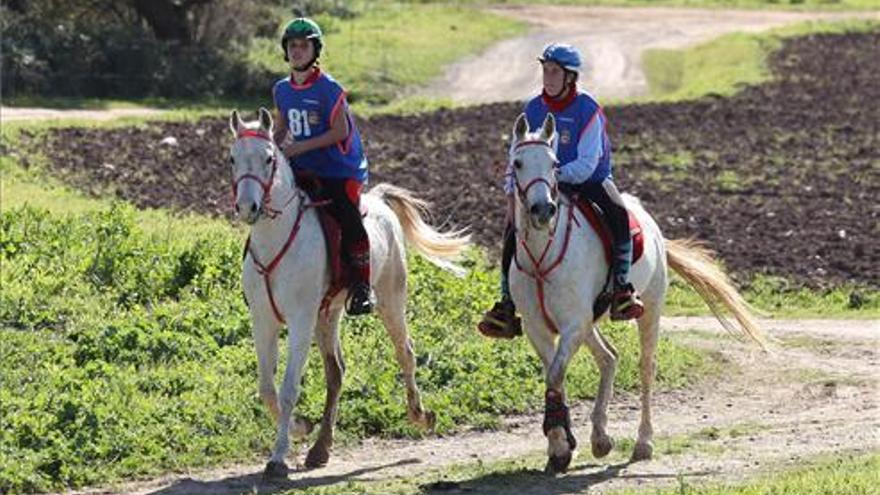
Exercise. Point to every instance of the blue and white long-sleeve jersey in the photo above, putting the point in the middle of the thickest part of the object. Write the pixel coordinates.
(581, 142)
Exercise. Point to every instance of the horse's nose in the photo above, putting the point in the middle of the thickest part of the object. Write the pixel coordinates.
(543, 212)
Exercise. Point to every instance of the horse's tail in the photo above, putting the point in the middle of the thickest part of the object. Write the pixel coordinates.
(438, 247)
(697, 265)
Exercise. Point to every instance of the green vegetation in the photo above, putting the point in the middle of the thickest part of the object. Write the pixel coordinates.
(850, 475)
(390, 46)
(126, 350)
(705, 4)
(724, 65)
(778, 298)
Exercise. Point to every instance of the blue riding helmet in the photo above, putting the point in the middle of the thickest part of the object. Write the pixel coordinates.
(567, 56)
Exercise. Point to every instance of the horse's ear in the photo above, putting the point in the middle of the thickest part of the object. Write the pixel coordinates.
(548, 129)
(265, 120)
(235, 123)
(520, 128)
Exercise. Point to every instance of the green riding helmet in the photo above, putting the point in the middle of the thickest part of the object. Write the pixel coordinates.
(304, 28)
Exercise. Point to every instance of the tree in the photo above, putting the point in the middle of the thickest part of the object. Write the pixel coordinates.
(170, 20)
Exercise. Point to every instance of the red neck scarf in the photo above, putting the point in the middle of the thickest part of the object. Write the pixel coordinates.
(559, 104)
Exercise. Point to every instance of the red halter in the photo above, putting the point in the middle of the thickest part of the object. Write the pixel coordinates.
(266, 269)
(522, 191)
(538, 273)
(266, 186)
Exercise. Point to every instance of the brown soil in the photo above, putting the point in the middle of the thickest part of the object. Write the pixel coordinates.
(780, 179)
(816, 394)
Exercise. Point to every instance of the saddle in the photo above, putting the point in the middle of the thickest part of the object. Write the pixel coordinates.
(597, 220)
(341, 275)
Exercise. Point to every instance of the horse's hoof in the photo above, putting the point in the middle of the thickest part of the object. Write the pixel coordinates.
(601, 446)
(429, 421)
(317, 457)
(642, 452)
(557, 464)
(301, 428)
(423, 419)
(275, 471)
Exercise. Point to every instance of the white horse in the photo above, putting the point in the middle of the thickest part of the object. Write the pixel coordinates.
(286, 275)
(560, 271)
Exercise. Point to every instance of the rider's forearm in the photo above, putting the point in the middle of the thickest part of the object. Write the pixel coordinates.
(589, 152)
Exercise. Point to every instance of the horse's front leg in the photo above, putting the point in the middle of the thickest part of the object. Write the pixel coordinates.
(301, 325)
(606, 358)
(327, 335)
(265, 333)
(557, 421)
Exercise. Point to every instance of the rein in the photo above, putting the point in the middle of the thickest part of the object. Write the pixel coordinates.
(266, 269)
(265, 186)
(538, 273)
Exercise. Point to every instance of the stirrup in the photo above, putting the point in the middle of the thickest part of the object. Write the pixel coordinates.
(626, 304)
(501, 321)
(360, 300)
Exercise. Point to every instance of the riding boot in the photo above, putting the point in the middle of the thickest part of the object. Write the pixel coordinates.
(361, 298)
(501, 321)
(625, 302)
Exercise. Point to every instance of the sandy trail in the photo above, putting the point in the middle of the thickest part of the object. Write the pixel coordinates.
(611, 39)
(817, 393)
(11, 114)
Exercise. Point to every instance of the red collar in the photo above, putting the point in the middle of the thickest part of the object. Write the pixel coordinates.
(316, 73)
(559, 104)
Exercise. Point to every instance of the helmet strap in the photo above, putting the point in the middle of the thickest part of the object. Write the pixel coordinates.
(563, 91)
(307, 66)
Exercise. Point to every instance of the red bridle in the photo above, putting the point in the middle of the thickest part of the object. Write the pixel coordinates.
(522, 191)
(540, 273)
(266, 186)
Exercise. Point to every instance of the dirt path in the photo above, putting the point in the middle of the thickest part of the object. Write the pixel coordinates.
(612, 41)
(816, 394)
(10, 114)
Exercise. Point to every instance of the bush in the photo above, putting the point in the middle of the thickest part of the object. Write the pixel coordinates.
(92, 56)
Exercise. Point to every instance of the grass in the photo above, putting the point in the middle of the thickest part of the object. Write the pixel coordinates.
(376, 55)
(125, 347)
(392, 46)
(778, 298)
(857, 474)
(723, 66)
(706, 4)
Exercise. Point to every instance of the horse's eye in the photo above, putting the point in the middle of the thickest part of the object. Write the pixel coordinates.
(268, 160)
(232, 159)
(517, 164)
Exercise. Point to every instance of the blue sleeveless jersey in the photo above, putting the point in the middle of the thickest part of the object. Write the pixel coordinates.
(571, 123)
(307, 111)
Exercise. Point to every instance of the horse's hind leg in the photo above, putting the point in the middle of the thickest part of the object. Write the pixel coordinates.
(606, 358)
(392, 310)
(327, 335)
(649, 329)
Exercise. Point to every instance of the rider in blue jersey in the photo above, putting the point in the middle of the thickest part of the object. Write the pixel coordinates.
(584, 152)
(319, 136)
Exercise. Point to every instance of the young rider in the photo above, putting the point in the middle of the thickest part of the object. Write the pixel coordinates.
(584, 152)
(318, 135)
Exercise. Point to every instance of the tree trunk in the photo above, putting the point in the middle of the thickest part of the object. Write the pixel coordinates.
(168, 18)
